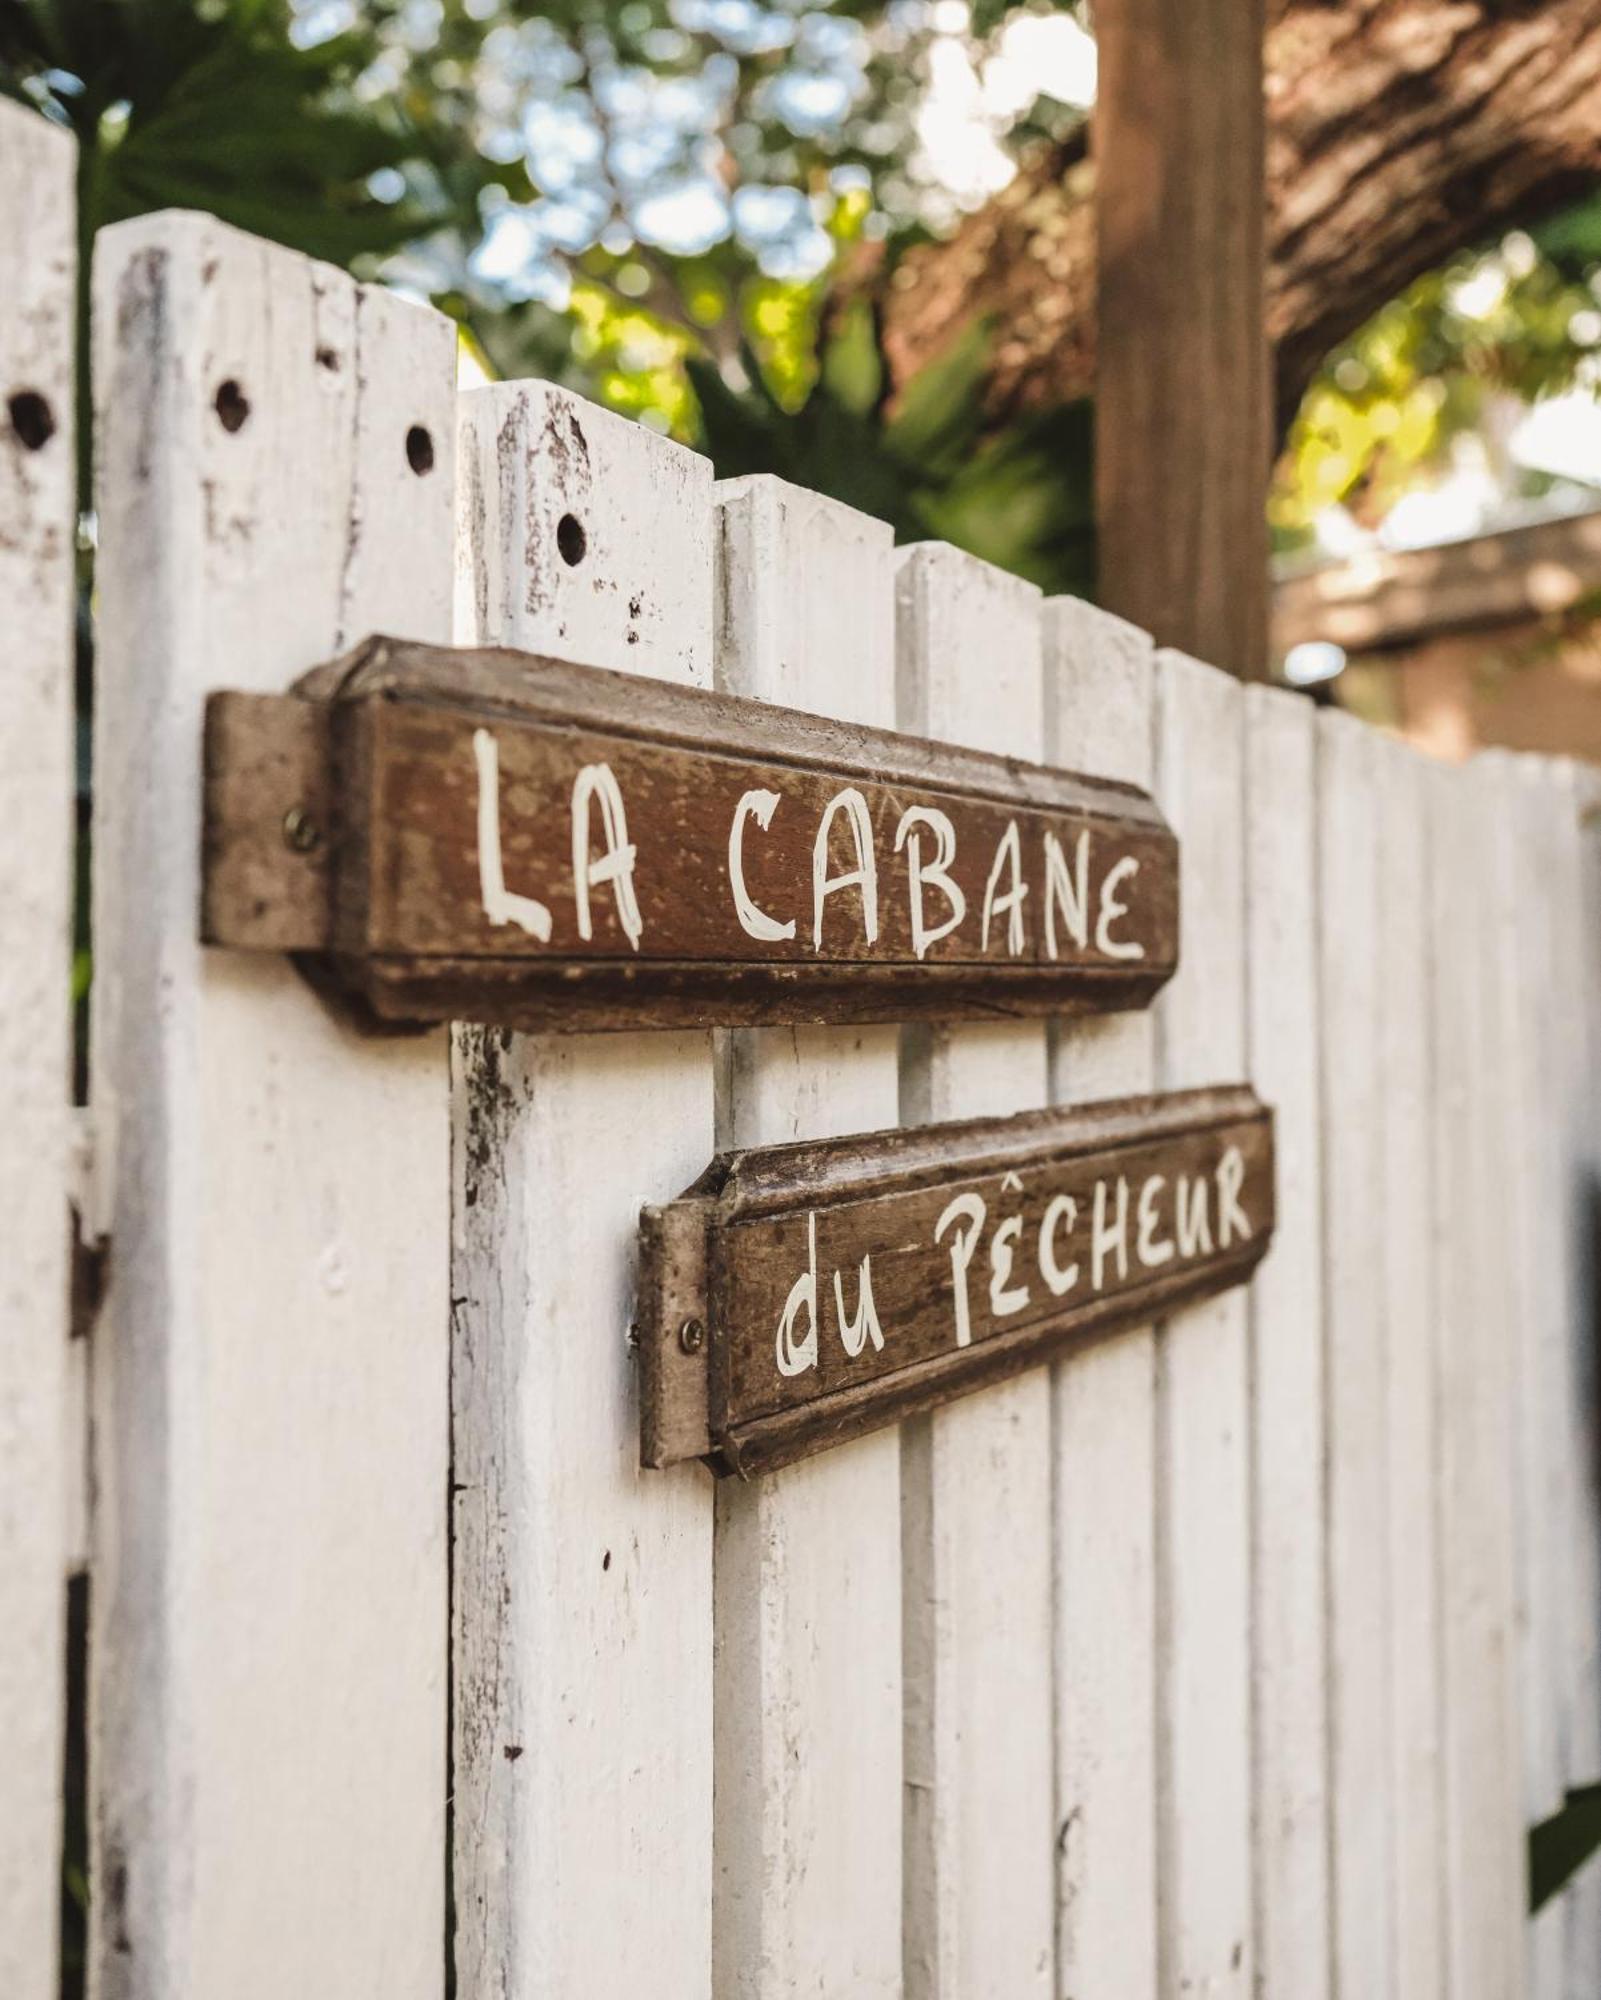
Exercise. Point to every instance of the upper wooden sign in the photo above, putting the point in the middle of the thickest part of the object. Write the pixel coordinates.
(487, 836)
(799, 1295)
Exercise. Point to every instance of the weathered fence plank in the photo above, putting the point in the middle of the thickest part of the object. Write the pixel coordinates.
(1353, 1111)
(1482, 1821)
(38, 238)
(1574, 791)
(1203, 1409)
(272, 1411)
(582, 1585)
(1289, 1675)
(976, 1478)
(807, 1848)
(1099, 707)
(1408, 1304)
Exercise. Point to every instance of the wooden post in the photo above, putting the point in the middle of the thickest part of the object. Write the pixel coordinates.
(1183, 437)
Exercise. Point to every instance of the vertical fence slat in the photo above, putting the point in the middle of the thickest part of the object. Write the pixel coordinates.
(271, 1380)
(1355, 1366)
(976, 1477)
(1405, 1055)
(582, 1585)
(1099, 701)
(1482, 1816)
(1287, 1381)
(37, 251)
(1575, 805)
(808, 1684)
(1203, 1414)
(1533, 999)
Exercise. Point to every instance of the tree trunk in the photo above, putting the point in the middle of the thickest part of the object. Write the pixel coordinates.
(1399, 132)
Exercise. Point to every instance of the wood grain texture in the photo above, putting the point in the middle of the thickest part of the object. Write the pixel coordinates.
(1354, 1247)
(835, 1286)
(37, 504)
(581, 848)
(1574, 802)
(976, 1481)
(1289, 1661)
(272, 1415)
(1406, 1060)
(582, 1589)
(1099, 699)
(807, 1848)
(1203, 1404)
(1481, 1792)
(1182, 395)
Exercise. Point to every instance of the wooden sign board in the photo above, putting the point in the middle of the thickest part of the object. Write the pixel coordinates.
(480, 835)
(799, 1295)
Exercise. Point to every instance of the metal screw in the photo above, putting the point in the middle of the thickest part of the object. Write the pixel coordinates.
(301, 831)
(692, 1336)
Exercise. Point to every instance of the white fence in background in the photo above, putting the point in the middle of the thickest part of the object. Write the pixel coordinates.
(1234, 1657)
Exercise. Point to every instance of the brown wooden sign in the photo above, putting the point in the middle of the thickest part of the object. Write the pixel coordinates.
(494, 837)
(799, 1295)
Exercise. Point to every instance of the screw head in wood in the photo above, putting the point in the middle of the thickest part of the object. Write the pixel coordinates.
(301, 832)
(692, 1336)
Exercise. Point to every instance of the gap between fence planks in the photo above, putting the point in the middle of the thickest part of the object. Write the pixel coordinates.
(976, 1477)
(1099, 712)
(807, 1847)
(271, 1389)
(582, 1585)
(38, 240)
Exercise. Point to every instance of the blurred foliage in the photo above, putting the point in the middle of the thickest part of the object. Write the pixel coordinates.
(651, 202)
(1508, 324)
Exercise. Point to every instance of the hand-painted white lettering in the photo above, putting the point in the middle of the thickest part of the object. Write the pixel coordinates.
(1112, 909)
(500, 905)
(1069, 893)
(864, 875)
(968, 1208)
(1151, 1249)
(794, 1355)
(1108, 1238)
(1060, 1211)
(855, 1333)
(1008, 856)
(754, 921)
(1194, 1230)
(932, 872)
(1232, 1220)
(616, 865)
(1005, 1298)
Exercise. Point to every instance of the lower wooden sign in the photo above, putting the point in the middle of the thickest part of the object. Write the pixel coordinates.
(797, 1296)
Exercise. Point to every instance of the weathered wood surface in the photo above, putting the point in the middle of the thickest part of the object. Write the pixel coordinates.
(1406, 1045)
(1289, 1635)
(271, 1376)
(807, 1847)
(531, 844)
(846, 1284)
(1481, 1777)
(1099, 699)
(582, 1607)
(975, 1479)
(1355, 1111)
(1203, 1391)
(1183, 425)
(37, 251)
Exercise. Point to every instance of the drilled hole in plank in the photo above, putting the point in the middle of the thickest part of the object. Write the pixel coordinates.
(232, 405)
(571, 540)
(32, 419)
(419, 450)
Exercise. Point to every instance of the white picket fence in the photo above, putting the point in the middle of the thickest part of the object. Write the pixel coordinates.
(1232, 1658)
